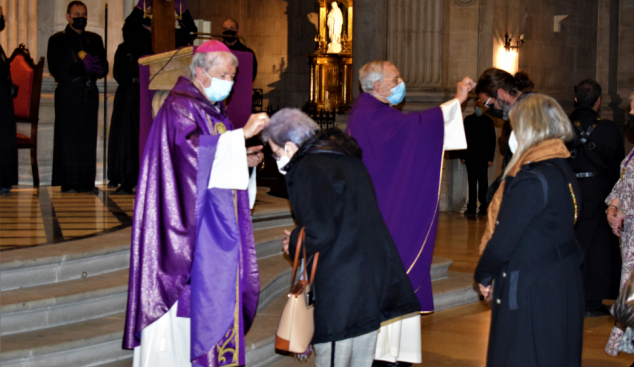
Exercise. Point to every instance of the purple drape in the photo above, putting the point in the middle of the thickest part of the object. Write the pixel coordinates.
(403, 154)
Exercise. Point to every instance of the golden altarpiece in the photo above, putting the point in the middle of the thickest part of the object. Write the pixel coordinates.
(331, 63)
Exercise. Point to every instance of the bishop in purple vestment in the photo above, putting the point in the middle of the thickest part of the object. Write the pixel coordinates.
(403, 153)
(194, 284)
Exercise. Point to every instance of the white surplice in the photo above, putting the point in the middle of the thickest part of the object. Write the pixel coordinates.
(166, 342)
(399, 338)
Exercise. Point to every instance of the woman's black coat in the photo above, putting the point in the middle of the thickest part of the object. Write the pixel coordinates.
(360, 280)
(538, 302)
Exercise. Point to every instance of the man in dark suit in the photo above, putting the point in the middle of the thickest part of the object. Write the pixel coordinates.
(478, 157)
(76, 58)
(596, 152)
(230, 30)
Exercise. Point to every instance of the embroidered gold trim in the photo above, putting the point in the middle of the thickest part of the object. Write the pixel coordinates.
(217, 128)
(232, 333)
(574, 200)
(442, 163)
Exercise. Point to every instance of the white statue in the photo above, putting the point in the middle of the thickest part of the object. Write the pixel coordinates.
(335, 25)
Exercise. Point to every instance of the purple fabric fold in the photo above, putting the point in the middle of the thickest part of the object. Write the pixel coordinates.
(403, 153)
(186, 241)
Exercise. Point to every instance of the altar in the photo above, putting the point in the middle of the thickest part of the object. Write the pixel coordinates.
(331, 63)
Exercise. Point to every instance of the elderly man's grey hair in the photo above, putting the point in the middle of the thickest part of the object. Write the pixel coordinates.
(289, 124)
(370, 73)
(208, 60)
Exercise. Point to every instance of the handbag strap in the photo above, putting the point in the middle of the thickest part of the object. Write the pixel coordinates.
(300, 241)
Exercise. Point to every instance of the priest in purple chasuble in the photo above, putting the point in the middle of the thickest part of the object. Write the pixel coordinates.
(403, 153)
(194, 284)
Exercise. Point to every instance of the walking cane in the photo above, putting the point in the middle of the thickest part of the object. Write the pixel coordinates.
(105, 99)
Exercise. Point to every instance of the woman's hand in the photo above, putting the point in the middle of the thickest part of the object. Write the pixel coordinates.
(286, 241)
(485, 290)
(615, 217)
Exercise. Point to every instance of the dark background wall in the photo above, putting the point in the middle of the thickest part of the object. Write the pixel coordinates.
(558, 61)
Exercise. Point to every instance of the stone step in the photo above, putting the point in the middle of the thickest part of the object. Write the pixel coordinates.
(81, 344)
(98, 342)
(95, 256)
(65, 261)
(456, 290)
(440, 268)
(52, 305)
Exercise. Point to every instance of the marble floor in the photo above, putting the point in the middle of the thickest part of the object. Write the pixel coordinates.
(46, 216)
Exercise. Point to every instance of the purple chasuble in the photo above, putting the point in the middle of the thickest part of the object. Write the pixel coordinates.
(191, 244)
(403, 154)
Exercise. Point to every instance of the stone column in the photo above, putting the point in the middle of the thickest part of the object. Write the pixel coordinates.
(414, 41)
(21, 25)
(370, 29)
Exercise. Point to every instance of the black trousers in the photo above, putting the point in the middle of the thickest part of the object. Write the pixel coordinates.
(477, 173)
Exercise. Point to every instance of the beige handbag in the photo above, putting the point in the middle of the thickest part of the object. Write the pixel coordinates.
(296, 327)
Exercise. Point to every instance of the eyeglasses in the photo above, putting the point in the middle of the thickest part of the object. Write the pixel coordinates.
(275, 155)
(396, 79)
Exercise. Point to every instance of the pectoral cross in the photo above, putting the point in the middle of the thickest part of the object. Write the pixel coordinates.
(163, 21)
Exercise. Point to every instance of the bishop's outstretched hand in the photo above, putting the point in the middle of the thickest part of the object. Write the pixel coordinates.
(257, 122)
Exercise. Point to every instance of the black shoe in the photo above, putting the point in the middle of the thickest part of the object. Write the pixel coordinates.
(377, 363)
(470, 212)
(601, 311)
(482, 213)
(69, 191)
(121, 191)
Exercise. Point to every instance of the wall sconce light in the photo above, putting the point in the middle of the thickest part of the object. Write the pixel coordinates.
(507, 42)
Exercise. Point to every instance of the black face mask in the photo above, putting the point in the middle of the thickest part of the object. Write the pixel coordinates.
(229, 33)
(1, 24)
(494, 112)
(80, 23)
(147, 21)
(630, 122)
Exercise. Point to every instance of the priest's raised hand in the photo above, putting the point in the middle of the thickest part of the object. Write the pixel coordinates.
(463, 88)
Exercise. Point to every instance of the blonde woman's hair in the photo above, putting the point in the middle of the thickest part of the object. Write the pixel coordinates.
(536, 118)
(631, 97)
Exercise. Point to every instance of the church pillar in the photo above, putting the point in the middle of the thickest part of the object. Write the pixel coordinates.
(414, 42)
(369, 26)
(21, 25)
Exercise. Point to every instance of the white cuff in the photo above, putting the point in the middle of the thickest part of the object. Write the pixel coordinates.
(455, 138)
(230, 169)
(253, 188)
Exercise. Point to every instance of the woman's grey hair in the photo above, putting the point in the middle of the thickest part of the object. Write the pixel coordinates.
(208, 60)
(290, 125)
(370, 73)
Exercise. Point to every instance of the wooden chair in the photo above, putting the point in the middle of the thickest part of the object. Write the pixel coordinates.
(28, 77)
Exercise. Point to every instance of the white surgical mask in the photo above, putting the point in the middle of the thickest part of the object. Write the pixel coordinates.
(283, 161)
(513, 142)
(218, 90)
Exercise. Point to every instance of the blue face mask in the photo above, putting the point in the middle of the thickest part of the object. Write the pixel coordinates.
(218, 90)
(398, 94)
